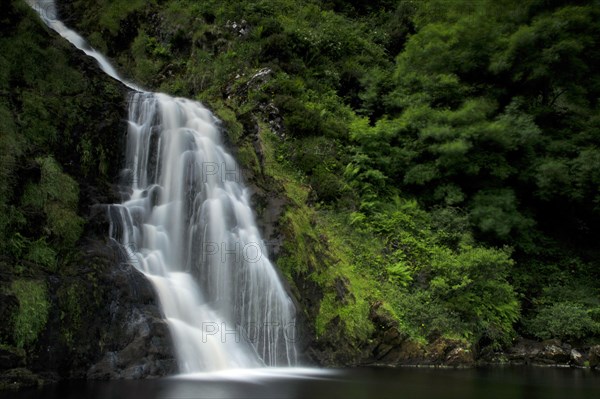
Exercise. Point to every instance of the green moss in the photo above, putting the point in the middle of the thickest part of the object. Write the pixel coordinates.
(33, 310)
(362, 288)
(42, 254)
(277, 165)
(116, 11)
(320, 245)
(70, 300)
(10, 150)
(58, 194)
(57, 185)
(146, 68)
(64, 223)
(33, 197)
(85, 150)
(102, 162)
(299, 248)
(247, 158)
(233, 127)
(355, 316)
(55, 196)
(95, 39)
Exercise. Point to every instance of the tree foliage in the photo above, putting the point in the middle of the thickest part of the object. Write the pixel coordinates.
(461, 139)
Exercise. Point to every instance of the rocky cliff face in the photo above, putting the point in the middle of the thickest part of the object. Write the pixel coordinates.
(71, 306)
(100, 318)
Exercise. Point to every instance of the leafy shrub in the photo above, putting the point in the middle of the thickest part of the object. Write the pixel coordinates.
(299, 120)
(496, 211)
(563, 320)
(426, 317)
(473, 284)
(400, 274)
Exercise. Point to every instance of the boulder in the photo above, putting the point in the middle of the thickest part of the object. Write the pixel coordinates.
(594, 357)
(460, 357)
(19, 378)
(576, 358)
(449, 352)
(523, 352)
(138, 342)
(554, 354)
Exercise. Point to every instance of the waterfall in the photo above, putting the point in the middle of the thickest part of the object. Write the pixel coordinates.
(187, 224)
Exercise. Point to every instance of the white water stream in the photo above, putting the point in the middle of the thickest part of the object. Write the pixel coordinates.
(187, 225)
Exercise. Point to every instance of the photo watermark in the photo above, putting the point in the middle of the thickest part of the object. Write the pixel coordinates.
(252, 332)
(232, 252)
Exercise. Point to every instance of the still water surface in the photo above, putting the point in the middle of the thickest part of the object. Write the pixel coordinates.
(526, 383)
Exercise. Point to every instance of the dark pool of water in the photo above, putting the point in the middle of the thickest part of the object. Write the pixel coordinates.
(526, 383)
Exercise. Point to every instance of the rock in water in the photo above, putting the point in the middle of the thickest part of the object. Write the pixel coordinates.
(594, 356)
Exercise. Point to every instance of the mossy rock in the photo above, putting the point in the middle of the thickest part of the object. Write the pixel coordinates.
(32, 313)
(19, 378)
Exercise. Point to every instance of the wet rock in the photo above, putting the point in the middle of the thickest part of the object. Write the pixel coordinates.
(273, 117)
(523, 352)
(437, 350)
(148, 355)
(239, 28)
(388, 346)
(380, 317)
(410, 352)
(19, 378)
(489, 356)
(553, 354)
(460, 357)
(402, 352)
(139, 342)
(594, 357)
(391, 347)
(239, 88)
(98, 304)
(576, 358)
(342, 292)
(259, 79)
(331, 349)
(548, 353)
(442, 352)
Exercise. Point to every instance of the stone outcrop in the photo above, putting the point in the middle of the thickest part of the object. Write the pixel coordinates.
(528, 352)
(138, 343)
(594, 357)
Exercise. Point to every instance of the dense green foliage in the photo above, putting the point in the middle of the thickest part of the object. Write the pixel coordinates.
(440, 157)
(42, 119)
(439, 160)
(50, 154)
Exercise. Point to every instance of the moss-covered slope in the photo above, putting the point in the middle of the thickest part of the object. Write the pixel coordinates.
(65, 300)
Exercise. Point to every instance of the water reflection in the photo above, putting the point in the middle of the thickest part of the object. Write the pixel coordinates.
(526, 383)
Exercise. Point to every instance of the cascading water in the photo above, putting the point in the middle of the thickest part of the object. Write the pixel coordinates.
(187, 225)
(188, 215)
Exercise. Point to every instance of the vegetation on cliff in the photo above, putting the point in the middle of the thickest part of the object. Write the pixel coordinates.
(439, 161)
(60, 154)
(430, 167)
